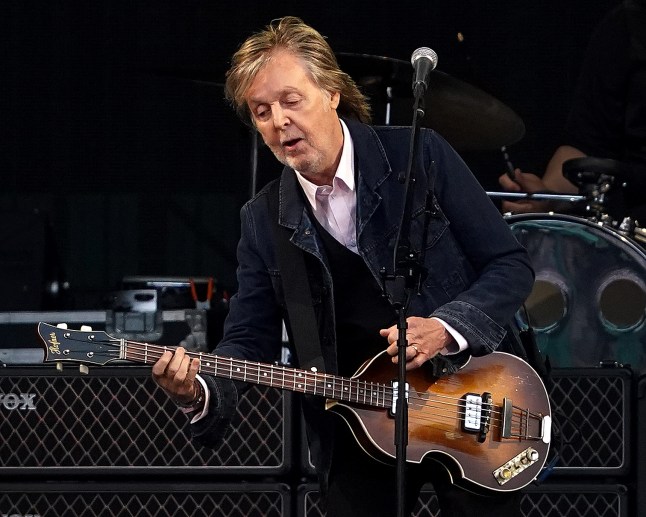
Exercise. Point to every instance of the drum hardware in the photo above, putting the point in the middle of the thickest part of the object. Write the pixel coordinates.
(603, 172)
(599, 195)
(609, 183)
(593, 211)
(603, 188)
(539, 196)
(640, 235)
(630, 228)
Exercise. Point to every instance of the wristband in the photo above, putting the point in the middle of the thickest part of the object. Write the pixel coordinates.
(194, 405)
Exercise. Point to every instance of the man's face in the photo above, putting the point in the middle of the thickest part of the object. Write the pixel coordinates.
(296, 119)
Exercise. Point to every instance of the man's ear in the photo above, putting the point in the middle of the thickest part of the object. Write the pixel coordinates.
(335, 98)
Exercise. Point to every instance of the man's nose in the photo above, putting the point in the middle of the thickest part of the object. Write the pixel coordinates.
(280, 117)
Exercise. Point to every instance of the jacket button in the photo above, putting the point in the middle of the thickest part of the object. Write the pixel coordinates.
(308, 232)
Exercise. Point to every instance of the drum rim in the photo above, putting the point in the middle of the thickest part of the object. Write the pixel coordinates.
(534, 216)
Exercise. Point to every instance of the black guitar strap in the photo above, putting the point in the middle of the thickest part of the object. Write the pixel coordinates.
(298, 294)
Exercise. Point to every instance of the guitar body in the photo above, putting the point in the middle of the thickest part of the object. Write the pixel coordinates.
(435, 429)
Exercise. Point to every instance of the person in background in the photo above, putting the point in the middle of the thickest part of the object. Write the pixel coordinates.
(340, 197)
(607, 117)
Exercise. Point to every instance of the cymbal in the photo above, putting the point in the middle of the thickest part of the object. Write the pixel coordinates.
(467, 117)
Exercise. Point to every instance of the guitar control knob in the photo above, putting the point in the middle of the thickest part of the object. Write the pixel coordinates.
(504, 474)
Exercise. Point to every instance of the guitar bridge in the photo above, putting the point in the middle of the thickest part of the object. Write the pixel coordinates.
(528, 425)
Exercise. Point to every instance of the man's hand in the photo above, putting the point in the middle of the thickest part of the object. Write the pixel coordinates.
(175, 373)
(523, 182)
(426, 338)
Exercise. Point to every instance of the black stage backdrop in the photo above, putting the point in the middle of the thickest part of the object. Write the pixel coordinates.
(115, 130)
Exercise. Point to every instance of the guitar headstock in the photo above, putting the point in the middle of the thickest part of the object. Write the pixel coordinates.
(78, 346)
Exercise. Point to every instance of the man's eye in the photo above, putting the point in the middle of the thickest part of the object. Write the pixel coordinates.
(262, 114)
(292, 102)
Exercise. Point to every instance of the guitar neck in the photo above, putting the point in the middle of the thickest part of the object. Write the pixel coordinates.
(283, 377)
(98, 348)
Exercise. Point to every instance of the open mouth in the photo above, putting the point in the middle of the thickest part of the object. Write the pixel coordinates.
(291, 144)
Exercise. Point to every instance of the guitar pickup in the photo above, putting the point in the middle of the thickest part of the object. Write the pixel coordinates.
(477, 414)
(472, 419)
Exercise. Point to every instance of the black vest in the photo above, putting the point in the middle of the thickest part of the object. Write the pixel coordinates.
(360, 308)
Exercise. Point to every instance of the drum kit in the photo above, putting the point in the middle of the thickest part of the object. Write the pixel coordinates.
(588, 305)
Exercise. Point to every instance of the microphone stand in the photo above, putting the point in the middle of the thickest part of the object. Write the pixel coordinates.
(399, 286)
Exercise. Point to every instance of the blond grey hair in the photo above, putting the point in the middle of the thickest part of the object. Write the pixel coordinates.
(292, 34)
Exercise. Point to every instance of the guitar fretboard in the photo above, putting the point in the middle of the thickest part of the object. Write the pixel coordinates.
(283, 377)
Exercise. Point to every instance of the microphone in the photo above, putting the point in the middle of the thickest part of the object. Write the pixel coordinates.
(424, 60)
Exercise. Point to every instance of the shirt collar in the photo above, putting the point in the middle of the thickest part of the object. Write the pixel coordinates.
(344, 174)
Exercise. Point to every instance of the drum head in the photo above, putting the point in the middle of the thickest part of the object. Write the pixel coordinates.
(588, 303)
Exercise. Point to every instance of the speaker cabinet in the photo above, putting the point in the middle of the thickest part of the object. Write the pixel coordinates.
(591, 410)
(553, 500)
(178, 500)
(116, 420)
(641, 446)
(309, 502)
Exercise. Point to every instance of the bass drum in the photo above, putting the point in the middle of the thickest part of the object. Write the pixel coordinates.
(588, 303)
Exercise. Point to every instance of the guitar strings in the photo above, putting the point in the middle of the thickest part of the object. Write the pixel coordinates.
(386, 396)
(147, 353)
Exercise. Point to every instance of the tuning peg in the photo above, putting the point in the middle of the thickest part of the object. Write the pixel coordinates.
(86, 328)
(59, 366)
(84, 369)
(62, 325)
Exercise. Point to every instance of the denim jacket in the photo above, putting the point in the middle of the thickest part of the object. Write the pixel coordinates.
(478, 274)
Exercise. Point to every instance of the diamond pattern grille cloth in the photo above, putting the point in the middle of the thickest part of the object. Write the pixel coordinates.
(128, 421)
(222, 503)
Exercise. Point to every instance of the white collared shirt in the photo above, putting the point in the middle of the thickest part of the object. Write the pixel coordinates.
(340, 219)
